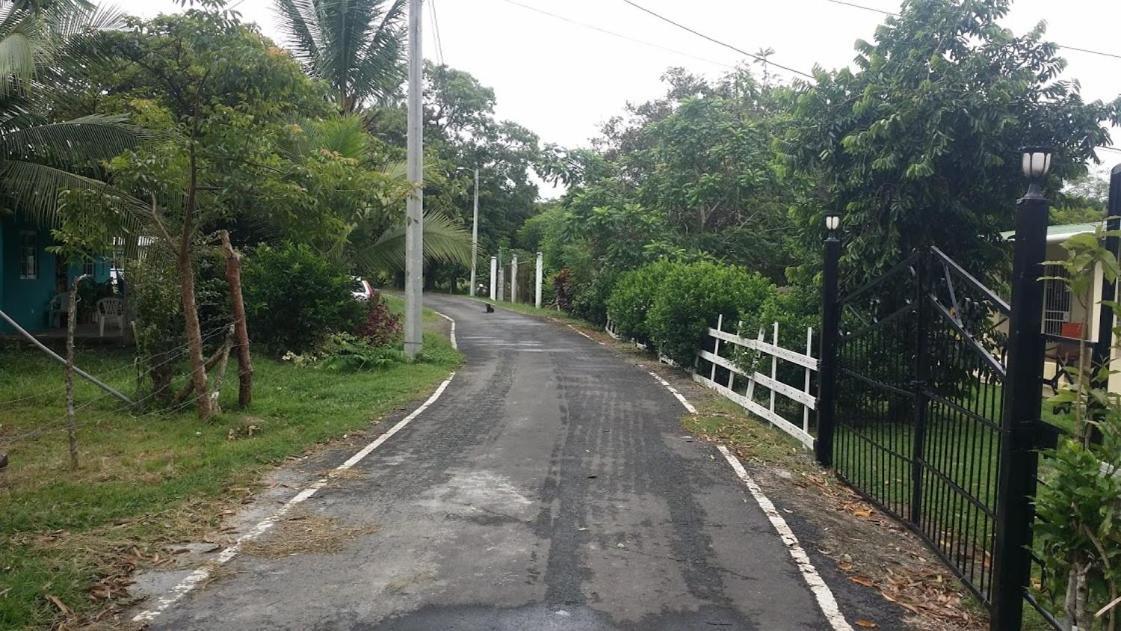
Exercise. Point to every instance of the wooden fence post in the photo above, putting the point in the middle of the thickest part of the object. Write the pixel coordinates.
(241, 328)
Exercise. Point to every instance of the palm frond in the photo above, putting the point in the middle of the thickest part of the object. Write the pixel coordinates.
(78, 141)
(298, 19)
(17, 58)
(444, 241)
(35, 189)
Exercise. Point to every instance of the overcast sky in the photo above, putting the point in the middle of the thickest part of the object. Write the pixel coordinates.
(562, 79)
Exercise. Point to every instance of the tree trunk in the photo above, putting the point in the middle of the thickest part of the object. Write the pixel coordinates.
(193, 330)
(71, 325)
(241, 330)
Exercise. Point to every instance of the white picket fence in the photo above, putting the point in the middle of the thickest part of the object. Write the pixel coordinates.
(803, 396)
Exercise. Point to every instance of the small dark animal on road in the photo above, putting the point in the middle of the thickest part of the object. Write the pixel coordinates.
(490, 308)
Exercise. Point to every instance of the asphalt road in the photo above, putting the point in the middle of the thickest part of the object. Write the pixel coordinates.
(550, 487)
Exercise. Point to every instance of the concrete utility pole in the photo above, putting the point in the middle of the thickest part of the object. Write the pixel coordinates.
(501, 277)
(475, 234)
(493, 277)
(540, 270)
(414, 210)
(514, 279)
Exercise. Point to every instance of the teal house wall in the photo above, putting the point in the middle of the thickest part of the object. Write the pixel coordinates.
(27, 300)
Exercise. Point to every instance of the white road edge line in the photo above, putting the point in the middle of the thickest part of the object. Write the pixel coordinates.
(451, 336)
(203, 573)
(586, 335)
(680, 397)
(821, 591)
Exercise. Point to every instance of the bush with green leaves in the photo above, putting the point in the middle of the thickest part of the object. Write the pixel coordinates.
(349, 353)
(692, 297)
(633, 296)
(590, 298)
(295, 298)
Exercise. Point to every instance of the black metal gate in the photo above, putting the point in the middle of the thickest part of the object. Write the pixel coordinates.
(919, 395)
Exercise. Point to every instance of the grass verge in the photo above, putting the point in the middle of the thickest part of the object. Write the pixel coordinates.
(68, 539)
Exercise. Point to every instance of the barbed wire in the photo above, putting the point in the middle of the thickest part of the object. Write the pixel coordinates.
(105, 377)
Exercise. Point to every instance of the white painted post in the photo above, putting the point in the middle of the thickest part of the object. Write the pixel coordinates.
(501, 278)
(774, 366)
(540, 271)
(514, 279)
(493, 276)
(751, 377)
(716, 348)
(732, 373)
(809, 353)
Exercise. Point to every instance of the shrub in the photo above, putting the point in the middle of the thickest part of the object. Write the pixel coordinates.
(590, 299)
(563, 289)
(381, 327)
(348, 353)
(151, 285)
(294, 298)
(692, 296)
(633, 296)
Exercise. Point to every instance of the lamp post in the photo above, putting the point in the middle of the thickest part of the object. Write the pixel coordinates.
(830, 323)
(1023, 388)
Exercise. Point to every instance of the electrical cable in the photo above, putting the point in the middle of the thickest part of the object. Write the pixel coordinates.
(436, 32)
(855, 5)
(615, 34)
(716, 41)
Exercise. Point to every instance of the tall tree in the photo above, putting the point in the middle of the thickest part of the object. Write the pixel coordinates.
(355, 45)
(921, 144)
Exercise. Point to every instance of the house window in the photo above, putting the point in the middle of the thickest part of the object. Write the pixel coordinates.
(28, 256)
(87, 268)
(1056, 300)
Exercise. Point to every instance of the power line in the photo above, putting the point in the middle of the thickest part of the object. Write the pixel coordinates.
(716, 41)
(436, 32)
(614, 34)
(884, 12)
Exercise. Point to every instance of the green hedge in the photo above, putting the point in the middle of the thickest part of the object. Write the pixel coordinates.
(633, 297)
(690, 299)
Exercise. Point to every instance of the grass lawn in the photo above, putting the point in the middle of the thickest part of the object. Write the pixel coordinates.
(150, 479)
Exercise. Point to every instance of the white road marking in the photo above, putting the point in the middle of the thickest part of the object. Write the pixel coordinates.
(821, 591)
(451, 336)
(203, 573)
(586, 335)
(680, 397)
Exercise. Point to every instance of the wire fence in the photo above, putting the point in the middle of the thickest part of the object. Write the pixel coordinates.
(151, 363)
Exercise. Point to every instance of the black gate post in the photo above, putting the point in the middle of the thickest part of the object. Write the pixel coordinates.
(827, 367)
(919, 386)
(1023, 398)
(1101, 351)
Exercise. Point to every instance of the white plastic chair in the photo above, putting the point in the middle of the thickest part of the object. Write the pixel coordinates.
(57, 307)
(112, 310)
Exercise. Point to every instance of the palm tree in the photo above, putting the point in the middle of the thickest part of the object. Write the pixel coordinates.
(375, 238)
(39, 159)
(355, 45)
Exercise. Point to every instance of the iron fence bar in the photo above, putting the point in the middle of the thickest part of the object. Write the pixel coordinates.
(993, 362)
(874, 383)
(919, 398)
(957, 488)
(878, 446)
(863, 289)
(930, 544)
(902, 311)
(1003, 306)
(937, 398)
